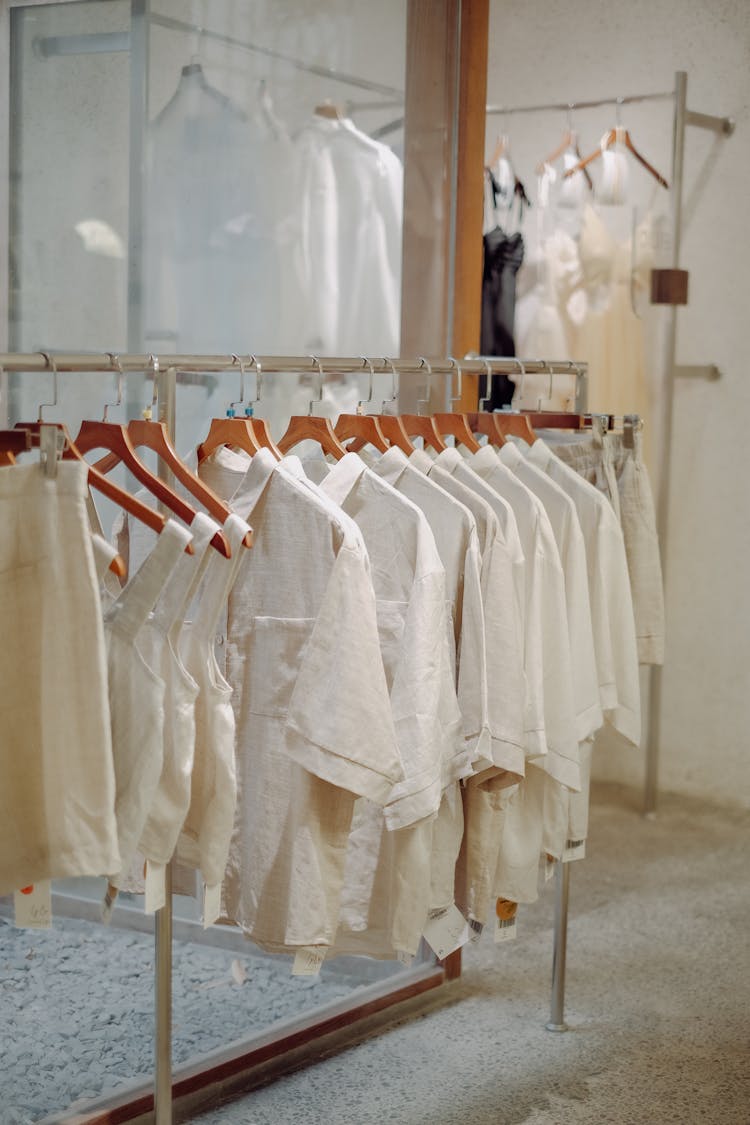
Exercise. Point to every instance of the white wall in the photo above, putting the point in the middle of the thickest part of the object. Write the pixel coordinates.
(561, 50)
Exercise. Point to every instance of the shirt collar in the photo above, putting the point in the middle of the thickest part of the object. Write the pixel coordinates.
(485, 458)
(449, 459)
(259, 472)
(420, 460)
(540, 454)
(392, 465)
(509, 455)
(343, 476)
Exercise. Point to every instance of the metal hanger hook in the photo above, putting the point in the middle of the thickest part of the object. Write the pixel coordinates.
(579, 380)
(238, 402)
(114, 359)
(363, 402)
(258, 386)
(149, 411)
(428, 385)
(618, 113)
(394, 389)
(319, 381)
(522, 371)
(454, 363)
(50, 361)
(488, 388)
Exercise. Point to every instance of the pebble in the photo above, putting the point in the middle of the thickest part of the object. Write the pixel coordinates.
(77, 1015)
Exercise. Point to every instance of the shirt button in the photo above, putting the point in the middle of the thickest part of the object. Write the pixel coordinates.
(219, 639)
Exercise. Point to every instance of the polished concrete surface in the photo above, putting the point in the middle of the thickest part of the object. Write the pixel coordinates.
(658, 1001)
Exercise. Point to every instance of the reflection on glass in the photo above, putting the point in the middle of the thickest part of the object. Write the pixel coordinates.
(271, 224)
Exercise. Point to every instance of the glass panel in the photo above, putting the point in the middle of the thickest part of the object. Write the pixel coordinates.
(240, 252)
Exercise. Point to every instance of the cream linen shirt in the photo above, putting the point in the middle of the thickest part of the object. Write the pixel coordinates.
(386, 895)
(504, 608)
(609, 591)
(570, 544)
(314, 726)
(455, 532)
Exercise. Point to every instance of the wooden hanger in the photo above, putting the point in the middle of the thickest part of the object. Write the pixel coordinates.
(556, 419)
(12, 442)
(483, 422)
(114, 437)
(423, 425)
(129, 503)
(454, 423)
(569, 142)
(458, 426)
(517, 425)
(309, 427)
(618, 134)
(249, 433)
(365, 427)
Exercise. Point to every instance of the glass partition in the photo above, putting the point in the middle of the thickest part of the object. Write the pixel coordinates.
(188, 177)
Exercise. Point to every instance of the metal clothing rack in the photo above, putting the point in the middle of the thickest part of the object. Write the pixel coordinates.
(165, 369)
(682, 118)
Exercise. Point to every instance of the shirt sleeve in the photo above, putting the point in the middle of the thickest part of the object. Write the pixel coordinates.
(504, 653)
(339, 724)
(625, 712)
(424, 705)
(471, 659)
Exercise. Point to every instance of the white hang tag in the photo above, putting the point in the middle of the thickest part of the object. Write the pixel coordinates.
(211, 904)
(156, 887)
(475, 929)
(549, 867)
(506, 914)
(33, 906)
(574, 849)
(446, 931)
(308, 961)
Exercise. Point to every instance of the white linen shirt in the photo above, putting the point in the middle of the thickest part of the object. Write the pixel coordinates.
(455, 532)
(314, 726)
(570, 543)
(610, 594)
(504, 609)
(386, 894)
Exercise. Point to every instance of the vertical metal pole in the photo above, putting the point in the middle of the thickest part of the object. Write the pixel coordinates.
(559, 955)
(166, 385)
(138, 123)
(662, 508)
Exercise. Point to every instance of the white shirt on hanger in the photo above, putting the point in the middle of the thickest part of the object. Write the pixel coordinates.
(314, 725)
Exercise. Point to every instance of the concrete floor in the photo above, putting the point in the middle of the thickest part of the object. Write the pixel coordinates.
(658, 1001)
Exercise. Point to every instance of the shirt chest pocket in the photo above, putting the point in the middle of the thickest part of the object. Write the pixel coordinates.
(273, 657)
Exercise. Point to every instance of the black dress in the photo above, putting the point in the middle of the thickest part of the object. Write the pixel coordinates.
(503, 255)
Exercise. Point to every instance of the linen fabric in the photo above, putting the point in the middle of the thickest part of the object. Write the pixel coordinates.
(57, 797)
(137, 691)
(501, 555)
(209, 820)
(618, 469)
(305, 690)
(610, 595)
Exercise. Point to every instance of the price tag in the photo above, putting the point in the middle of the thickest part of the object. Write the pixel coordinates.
(156, 887)
(475, 930)
(446, 931)
(505, 921)
(211, 904)
(574, 849)
(549, 867)
(308, 960)
(33, 906)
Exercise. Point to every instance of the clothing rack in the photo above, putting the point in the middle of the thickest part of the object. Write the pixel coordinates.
(724, 126)
(165, 369)
(50, 46)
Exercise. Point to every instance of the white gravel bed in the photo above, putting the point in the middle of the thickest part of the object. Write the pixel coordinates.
(77, 1009)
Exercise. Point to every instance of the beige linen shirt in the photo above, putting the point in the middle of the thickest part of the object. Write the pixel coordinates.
(313, 718)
